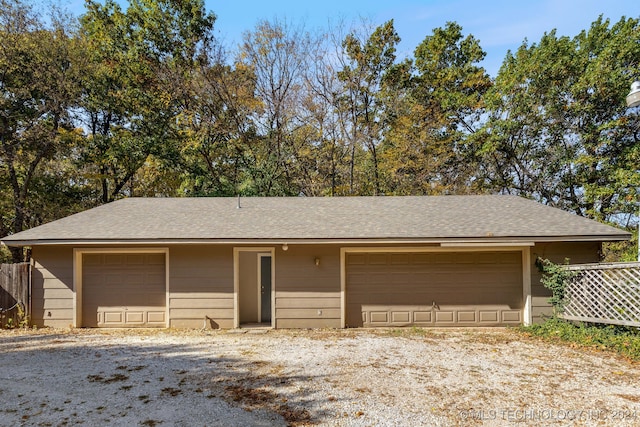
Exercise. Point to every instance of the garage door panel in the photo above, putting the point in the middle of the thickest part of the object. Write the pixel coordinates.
(356, 259)
(135, 259)
(422, 316)
(490, 316)
(513, 316)
(155, 276)
(400, 316)
(123, 290)
(486, 258)
(377, 259)
(114, 259)
(434, 289)
(466, 316)
(134, 278)
(444, 316)
(419, 259)
(134, 317)
(156, 317)
(379, 318)
(91, 259)
(155, 259)
(400, 259)
(111, 317)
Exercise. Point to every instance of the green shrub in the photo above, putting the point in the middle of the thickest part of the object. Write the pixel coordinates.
(619, 339)
(17, 320)
(555, 277)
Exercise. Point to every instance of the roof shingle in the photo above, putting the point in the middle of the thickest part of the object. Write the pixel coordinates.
(343, 218)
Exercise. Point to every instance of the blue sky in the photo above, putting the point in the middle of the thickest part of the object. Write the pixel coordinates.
(499, 25)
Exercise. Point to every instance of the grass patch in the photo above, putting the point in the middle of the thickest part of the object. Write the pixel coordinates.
(622, 340)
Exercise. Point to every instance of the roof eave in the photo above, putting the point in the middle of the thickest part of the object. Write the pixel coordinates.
(506, 240)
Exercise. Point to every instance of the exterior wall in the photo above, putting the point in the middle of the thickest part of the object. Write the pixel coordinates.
(201, 284)
(576, 252)
(52, 287)
(307, 295)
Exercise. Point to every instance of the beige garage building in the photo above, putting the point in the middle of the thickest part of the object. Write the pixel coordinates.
(303, 262)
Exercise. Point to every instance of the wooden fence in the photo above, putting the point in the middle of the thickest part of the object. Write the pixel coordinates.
(604, 293)
(14, 293)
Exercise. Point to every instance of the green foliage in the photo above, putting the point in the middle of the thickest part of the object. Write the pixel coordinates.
(15, 318)
(5, 255)
(621, 340)
(368, 66)
(555, 277)
(274, 57)
(426, 149)
(559, 131)
(141, 65)
(39, 80)
(624, 251)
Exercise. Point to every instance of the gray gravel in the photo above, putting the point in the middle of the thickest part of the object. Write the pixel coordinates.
(324, 377)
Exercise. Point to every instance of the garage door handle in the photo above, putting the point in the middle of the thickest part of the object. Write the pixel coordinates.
(434, 305)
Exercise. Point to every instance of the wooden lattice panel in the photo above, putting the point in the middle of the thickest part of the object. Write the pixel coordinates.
(604, 293)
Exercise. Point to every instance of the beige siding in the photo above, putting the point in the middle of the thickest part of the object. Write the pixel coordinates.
(576, 252)
(201, 286)
(52, 287)
(434, 289)
(308, 295)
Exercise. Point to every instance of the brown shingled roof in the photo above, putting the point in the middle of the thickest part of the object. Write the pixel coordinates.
(411, 218)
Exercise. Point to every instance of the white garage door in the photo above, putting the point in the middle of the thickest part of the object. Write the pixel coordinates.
(123, 290)
(434, 289)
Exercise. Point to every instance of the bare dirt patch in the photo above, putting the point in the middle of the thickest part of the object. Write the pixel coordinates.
(324, 377)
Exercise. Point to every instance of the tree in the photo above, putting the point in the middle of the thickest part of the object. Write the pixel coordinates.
(218, 129)
(324, 168)
(141, 62)
(368, 62)
(427, 146)
(559, 131)
(277, 55)
(39, 79)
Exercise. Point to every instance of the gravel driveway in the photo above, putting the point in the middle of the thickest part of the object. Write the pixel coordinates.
(271, 378)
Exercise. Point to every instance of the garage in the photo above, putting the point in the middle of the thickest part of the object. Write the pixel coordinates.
(479, 288)
(123, 290)
(335, 261)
